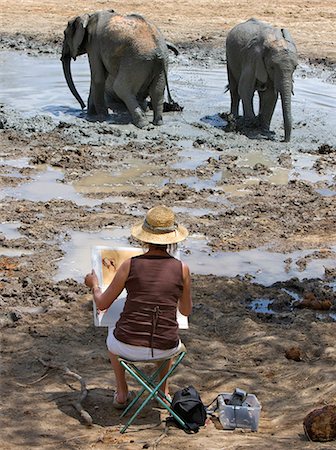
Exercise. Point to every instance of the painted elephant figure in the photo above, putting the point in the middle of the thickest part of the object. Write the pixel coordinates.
(261, 58)
(128, 60)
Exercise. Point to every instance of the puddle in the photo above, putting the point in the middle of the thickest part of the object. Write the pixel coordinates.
(10, 230)
(302, 169)
(199, 184)
(332, 284)
(47, 185)
(13, 252)
(326, 316)
(77, 261)
(18, 163)
(196, 212)
(295, 296)
(326, 192)
(132, 178)
(192, 157)
(216, 198)
(264, 266)
(262, 305)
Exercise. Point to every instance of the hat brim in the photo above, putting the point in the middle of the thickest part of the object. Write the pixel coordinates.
(159, 238)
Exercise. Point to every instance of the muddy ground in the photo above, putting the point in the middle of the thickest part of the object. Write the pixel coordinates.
(229, 345)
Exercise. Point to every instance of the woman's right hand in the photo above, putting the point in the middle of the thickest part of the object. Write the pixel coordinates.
(91, 280)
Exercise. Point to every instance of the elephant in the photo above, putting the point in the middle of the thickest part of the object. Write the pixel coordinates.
(128, 60)
(261, 58)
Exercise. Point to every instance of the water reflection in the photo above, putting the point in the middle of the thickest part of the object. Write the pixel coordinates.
(201, 89)
(262, 265)
(47, 185)
(10, 230)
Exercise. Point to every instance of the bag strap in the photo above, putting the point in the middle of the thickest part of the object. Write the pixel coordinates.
(211, 403)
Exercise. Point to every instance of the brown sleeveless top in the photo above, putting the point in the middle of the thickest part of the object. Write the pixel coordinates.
(154, 286)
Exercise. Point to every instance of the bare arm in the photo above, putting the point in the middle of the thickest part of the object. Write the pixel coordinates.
(185, 302)
(105, 299)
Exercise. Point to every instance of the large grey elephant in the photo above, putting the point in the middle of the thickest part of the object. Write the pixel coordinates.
(128, 60)
(261, 58)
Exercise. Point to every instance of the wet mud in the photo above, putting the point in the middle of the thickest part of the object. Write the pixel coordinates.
(261, 216)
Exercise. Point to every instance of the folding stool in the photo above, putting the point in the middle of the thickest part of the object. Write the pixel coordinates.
(150, 384)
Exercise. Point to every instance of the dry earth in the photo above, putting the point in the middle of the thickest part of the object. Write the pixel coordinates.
(228, 344)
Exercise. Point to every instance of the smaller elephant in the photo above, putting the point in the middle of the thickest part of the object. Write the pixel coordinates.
(128, 60)
(261, 58)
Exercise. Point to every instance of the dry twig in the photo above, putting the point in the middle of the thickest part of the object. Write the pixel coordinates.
(35, 381)
(155, 444)
(83, 393)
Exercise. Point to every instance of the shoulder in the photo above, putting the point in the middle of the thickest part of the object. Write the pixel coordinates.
(125, 266)
(185, 270)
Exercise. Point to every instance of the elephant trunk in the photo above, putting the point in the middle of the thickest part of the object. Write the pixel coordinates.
(285, 90)
(67, 74)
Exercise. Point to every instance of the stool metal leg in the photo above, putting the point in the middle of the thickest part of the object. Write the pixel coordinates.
(152, 389)
(141, 375)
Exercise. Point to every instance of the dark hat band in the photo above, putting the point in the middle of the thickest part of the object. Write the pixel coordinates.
(158, 230)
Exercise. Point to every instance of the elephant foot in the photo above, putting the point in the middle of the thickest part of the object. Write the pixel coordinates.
(158, 121)
(139, 118)
(97, 117)
(266, 134)
(251, 122)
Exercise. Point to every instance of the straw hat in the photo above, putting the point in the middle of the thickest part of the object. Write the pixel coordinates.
(159, 227)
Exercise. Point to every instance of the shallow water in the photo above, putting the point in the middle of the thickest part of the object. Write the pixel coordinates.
(262, 305)
(36, 84)
(47, 185)
(262, 265)
(10, 230)
(14, 252)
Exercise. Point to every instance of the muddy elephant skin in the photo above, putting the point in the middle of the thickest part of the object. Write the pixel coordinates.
(261, 58)
(128, 59)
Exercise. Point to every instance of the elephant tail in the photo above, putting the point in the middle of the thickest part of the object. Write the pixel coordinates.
(227, 88)
(172, 47)
(170, 99)
(172, 105)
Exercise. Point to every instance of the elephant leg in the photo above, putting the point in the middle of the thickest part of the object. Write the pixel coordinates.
(233, 86)
(96, 102)
(91, 109)
(246, 88)
(268, 99)
(156, 92)
(127, 84)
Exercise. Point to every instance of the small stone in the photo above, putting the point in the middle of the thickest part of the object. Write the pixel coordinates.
(293, 353)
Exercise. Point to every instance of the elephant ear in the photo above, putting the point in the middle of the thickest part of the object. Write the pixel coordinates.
(288, 38)
(260, 68)
(79, 25)
(254, 52)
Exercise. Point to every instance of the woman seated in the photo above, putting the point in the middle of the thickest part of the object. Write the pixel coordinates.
(156, 284)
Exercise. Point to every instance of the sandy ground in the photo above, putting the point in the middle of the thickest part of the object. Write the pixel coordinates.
(312, 23)
(228, 344)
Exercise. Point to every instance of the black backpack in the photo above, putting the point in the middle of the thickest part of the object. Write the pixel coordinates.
(188, 405)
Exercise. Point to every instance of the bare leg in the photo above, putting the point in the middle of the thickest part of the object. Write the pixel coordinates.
(119, 372)
(164, 372)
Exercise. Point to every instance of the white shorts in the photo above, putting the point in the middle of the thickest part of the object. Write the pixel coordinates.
(134, 352)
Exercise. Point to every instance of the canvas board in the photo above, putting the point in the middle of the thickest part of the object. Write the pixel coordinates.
(105, 262)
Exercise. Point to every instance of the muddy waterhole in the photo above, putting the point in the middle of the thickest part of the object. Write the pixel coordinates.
(35, 87)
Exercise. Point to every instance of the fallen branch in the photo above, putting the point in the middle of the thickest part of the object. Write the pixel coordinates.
(155, 443)
(83, 393)
(46, 373)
